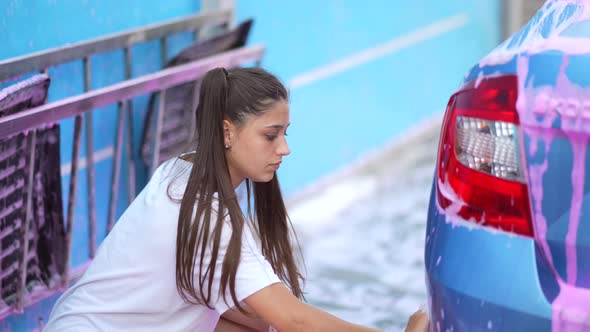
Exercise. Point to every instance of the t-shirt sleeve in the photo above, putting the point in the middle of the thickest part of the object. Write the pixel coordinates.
(254, 271)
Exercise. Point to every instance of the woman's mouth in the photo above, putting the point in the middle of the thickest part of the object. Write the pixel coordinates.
(276, 165)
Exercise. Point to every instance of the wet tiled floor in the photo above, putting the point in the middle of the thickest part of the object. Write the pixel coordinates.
(362, 233)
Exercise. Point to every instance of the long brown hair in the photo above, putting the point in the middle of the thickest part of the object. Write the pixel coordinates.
(229, 94)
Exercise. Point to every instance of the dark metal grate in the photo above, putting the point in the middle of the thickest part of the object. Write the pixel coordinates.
(45, 235)
(181, 101)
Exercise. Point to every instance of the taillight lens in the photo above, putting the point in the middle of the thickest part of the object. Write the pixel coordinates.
(479, 171)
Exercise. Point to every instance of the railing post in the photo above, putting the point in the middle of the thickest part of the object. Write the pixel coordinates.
(195, 103)
(160, 116)
(116, 166)
(164, 50)
(72, 197)
(157, 136)
(90, 165)
(129, 145)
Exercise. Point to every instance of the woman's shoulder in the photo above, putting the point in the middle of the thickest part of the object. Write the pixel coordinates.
(176, 168)
(170, 177)
(179, 164)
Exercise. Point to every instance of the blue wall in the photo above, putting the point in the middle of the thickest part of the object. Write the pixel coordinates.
(35, 25)
(335, 120)
(340, 118)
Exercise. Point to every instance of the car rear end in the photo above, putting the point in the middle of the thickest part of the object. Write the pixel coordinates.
(508, 234)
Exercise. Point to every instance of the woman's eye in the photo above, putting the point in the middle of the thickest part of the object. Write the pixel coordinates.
(271, 137)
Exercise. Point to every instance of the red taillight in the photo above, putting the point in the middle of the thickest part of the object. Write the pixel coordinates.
(479, 171)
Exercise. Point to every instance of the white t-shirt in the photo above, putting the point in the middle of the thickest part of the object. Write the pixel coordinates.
(131, 283)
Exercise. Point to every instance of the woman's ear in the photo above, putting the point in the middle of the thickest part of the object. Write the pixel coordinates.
(228, 133)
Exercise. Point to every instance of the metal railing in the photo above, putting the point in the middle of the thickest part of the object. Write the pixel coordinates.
(120, 93)
(40, 61)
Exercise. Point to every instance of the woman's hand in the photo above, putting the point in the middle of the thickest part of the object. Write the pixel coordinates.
(418, 322)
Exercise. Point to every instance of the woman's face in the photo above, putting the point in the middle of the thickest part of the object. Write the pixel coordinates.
(257, 147)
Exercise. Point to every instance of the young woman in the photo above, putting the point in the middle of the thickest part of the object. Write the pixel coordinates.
(183, 256)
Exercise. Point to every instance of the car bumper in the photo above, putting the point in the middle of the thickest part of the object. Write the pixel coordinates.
(482, 280)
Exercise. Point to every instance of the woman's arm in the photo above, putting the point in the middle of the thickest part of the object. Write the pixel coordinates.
(277, 305)
(254, 322)
(225, 325)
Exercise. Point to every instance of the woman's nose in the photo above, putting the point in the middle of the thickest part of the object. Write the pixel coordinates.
(283, 149)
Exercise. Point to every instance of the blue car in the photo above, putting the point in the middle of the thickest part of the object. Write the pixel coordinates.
(508, 232)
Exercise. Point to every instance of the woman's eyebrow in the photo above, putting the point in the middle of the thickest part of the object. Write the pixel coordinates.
(278, 126)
